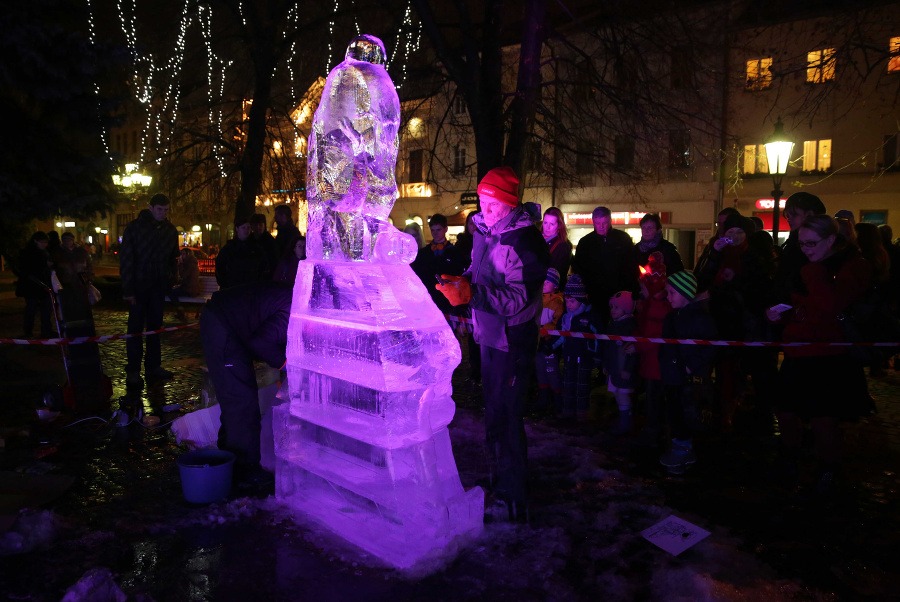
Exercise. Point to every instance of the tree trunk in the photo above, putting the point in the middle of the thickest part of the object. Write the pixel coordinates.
(529, 79)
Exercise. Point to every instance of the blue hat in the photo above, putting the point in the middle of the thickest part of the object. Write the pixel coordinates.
(575, 288)
(552, 276)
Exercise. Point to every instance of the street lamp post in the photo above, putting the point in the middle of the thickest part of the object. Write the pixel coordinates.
(132, 183)
(778, 154)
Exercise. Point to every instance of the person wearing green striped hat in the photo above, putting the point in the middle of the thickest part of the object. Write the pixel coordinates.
(684, 283)
(685, 368)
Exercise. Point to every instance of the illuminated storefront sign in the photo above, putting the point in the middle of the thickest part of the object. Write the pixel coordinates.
(769, 203)
(619, 218)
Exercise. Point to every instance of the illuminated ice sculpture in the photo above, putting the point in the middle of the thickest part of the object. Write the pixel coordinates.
(362, 446)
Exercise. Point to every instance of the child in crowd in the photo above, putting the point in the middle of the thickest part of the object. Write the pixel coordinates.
(652, 309)
(685, 369)
(549, 380)
(620, 358)
(578, 354)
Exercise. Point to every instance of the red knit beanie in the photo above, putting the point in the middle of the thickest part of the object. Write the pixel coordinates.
(502, 184)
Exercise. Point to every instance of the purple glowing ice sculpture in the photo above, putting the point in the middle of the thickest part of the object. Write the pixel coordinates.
(362, 446)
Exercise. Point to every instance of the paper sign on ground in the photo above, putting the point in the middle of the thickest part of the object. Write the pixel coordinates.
(674, 535)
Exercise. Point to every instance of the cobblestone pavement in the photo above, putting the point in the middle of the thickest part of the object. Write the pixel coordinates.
(844, 545)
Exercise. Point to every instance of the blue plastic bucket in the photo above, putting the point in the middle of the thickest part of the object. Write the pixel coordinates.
(206, 475)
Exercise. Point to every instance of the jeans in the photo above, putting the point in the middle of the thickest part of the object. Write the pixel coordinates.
(146, 313)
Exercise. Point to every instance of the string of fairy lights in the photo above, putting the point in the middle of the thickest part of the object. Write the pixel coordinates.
(156, 80)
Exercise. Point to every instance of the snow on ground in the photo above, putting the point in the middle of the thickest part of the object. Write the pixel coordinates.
(584, 539)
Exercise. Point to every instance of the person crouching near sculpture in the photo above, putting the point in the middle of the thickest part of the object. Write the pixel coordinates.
(239, 325)
(503, 287)
(820, 385)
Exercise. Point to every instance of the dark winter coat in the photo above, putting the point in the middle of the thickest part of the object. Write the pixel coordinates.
(430, 262)
(463, 255)
(693, 321)
(509, 265)
(285, 238)
(826, 290)
(560, 258)
(241, 262)
(670, 254)
(257, 315)
(607, 264)
(148, 255)
(573, 348)
(33, 271)
(73, 268)
(270, 249)
(787, 275)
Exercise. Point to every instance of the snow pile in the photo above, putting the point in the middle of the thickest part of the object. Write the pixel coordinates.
(33, 530)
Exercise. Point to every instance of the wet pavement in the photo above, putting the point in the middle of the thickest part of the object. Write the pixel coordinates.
(125, 511)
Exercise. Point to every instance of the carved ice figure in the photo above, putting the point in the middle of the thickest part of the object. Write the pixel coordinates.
(352, 155)
(363, 446)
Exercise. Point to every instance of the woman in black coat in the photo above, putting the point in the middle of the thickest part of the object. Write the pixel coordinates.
(34, 285)
(557, 236)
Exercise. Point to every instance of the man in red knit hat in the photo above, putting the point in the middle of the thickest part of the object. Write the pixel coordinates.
(503, 287)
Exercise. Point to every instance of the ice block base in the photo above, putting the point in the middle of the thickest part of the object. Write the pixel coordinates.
(405, 506)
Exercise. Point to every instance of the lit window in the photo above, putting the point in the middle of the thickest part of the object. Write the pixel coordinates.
(416, 127)
(759, 73)
(459, 160)
(817, 155)
(755, 159)
(894, 60)
(820, 65)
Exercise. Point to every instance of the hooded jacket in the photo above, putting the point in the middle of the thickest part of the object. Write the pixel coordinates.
(257, 315)
(147, 259)
(509, 265)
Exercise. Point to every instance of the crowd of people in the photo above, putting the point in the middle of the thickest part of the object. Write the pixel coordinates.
(46, 255)
(510, 274)
(743, 287)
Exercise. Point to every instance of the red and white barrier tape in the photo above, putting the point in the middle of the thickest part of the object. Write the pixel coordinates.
(465, 325)
(94, 339)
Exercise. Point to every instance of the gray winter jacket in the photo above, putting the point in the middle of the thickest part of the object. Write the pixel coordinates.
(509, 265)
